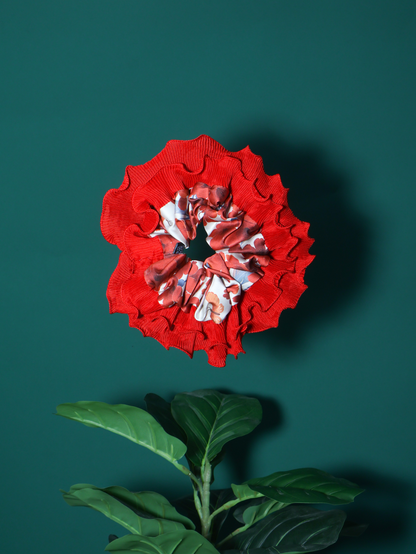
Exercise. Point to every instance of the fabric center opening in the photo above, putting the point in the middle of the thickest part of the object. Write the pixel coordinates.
(199, 249)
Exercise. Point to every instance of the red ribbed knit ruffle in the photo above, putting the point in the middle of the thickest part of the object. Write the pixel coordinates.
(130, 215)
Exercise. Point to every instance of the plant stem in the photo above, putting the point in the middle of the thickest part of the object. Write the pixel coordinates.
(205, 499)
(201, 494)
(198, 504)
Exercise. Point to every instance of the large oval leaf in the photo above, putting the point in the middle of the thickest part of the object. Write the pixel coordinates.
(120, 513)
(292, 530)
(181, 542)
(210, 419)
(256, 509)
(128, 421)
(305, 485)
(161, 411)
(144, 504)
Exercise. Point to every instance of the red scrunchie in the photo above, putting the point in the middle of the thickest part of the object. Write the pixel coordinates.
(222, 181)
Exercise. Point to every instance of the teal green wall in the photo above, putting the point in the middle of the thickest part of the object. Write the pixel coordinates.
(325, 92)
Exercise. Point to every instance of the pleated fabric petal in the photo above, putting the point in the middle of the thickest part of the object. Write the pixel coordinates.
(262, 249)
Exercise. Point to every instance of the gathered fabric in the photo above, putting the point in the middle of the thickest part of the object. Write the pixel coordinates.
(212, 286)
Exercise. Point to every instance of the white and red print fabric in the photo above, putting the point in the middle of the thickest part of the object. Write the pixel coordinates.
(215, 285)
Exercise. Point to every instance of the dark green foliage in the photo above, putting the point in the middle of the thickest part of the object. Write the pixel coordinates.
(293, 530)
(129, 422)
(270, 513)
(211, 419)
(149, 510)
(181, 542)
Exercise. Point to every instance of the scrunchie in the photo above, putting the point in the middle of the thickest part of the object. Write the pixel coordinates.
(261, 248)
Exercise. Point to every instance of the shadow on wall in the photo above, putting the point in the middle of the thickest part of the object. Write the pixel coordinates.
(386, 506)
(318, 194)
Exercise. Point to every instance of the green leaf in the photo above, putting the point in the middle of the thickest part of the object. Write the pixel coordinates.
(211, 419)
(161, 411)
(292, 530)
(144, 504)
(181, 542)
(300, 486)
(256, 509)
(291, 495)
(120, 513)
(244, 492)
(128, 421)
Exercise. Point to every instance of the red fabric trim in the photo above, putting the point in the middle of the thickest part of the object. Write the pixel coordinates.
(130, 213)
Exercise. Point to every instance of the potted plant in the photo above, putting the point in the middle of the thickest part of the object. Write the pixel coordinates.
(272, 514)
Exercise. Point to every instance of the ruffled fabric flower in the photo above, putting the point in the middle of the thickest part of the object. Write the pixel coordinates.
(261, 248)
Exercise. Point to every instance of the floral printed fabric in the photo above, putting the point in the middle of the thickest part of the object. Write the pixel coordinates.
(257, 269)
(215, 285)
